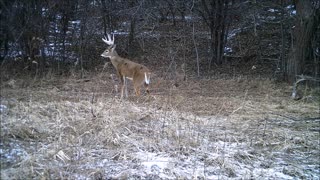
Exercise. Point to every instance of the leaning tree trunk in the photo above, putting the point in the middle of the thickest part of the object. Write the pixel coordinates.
(306, 23)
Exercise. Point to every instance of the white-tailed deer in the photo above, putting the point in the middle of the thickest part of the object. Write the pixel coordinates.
(127, 69)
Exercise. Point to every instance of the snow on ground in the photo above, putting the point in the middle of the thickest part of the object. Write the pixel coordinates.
(60, 133)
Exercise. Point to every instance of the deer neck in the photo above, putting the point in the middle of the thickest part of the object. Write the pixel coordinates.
(116, 60)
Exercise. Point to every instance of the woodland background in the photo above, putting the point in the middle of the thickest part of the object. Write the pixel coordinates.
(279, 38)
(220, 105)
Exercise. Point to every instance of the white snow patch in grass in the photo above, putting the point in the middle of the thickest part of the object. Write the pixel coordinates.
(150, 160)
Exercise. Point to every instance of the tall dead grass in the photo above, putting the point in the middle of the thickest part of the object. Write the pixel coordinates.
(203, 128)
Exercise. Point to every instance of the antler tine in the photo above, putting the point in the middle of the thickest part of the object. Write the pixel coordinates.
(105, 39)
(108, 40)
(111, 39)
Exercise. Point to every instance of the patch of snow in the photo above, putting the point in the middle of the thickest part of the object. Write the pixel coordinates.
(44, 11)
(125, 23)
(291, 10)
(188, 17)
(273, 10)
(271, 173)
(14, 154)
(58, 16)
(150, 34)
(77, 22)
(3, 108)
(227, 50)
(116, 32)
(271, 17)
(152, 159)
(290, 6)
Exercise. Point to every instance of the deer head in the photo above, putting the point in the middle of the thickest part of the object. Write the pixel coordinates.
(110, 51)
(126, 69)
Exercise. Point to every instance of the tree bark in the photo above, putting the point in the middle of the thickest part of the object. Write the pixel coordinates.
(214, 13)
(302, 35)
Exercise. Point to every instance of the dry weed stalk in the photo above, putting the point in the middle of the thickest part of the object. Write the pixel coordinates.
(75, 134)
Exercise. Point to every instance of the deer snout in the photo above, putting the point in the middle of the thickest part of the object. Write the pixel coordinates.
(105, 56)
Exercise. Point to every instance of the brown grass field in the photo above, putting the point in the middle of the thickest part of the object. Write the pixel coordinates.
(226, 128)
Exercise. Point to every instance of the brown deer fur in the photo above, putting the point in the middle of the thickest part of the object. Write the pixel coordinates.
(126, 69)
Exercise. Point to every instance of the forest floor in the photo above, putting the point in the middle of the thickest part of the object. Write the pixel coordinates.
(231, 128)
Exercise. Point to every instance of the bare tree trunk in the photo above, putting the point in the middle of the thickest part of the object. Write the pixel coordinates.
(65, 22)
(283, 63)
(316, 56)
(82, 44)
(306, 23)
(131, 36)
(215, 14)
(256, 35)
(104, 16)
(196, 49)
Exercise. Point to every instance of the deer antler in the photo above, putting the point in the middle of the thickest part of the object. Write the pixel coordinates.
(108, 40)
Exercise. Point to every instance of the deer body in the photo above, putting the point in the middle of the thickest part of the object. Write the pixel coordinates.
(126, 69)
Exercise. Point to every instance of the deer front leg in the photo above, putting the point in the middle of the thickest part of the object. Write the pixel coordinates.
(122, 85)
(137, 90)
(147, 88)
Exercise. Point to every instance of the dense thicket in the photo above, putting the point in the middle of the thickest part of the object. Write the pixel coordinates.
(57, 35)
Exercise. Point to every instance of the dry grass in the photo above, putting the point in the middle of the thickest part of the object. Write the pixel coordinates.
(208, 129)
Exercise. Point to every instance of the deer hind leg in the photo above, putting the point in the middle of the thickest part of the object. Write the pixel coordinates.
(122, 88)
(126, 86)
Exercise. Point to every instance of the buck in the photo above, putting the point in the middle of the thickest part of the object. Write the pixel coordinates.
(126, 69)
